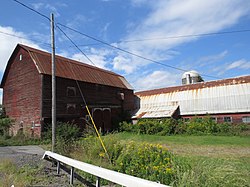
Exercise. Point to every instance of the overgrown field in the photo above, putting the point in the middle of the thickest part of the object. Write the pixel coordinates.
(174, 160)
(197, 153)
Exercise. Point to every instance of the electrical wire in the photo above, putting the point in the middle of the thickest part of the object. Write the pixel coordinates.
(90, 115)
(185, 36)
(75, 45)
(172, 37)
(131, 53)
(32, 9)
(126, 51)
(16, 36)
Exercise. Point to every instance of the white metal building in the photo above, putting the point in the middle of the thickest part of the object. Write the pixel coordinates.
(226, 100)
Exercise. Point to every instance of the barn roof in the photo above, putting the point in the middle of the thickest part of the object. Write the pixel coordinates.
(71, 69)
(197, 86)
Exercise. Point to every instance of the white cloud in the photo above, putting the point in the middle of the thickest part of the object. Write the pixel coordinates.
(177, 18)
(156, 79)
(37, 6)
(139, 2)
(239, 64)
(123, 63)
(212, 58)
(8, 43)
(78, 20)
(98, 56)
(47, 6)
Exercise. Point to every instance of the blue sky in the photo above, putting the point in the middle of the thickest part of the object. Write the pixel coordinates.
(116, 21)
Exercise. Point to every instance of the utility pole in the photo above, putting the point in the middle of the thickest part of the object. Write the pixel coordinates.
(53, 68)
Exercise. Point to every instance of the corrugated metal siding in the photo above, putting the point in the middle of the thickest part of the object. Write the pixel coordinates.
(233, 98)
(67, 68)
(218, 83)
(156, 112)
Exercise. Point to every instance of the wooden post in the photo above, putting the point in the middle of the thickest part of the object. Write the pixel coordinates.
(53, 68)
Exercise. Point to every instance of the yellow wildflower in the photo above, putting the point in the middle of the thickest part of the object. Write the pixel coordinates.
(102, 154)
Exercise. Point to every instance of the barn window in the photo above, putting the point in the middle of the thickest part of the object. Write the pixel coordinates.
(20, 57)
(71, 108)
(71, 91)
(246, 119)
(228, 119)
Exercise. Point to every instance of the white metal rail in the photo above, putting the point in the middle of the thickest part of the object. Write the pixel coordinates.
(100, 173)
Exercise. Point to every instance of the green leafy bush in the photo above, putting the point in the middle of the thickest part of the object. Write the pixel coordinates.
(5, 124)
(66, 134)
(128, 127)
(201, 126)
(148, 161)
(171, 126)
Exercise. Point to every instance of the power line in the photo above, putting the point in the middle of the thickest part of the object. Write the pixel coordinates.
(131, 53)
(172, 37)
(123, 50)
(26, 6)
(32, 9)
(75, 45)
(185, 36)
(16, 36)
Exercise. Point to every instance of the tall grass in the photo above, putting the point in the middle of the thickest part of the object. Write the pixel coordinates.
(242, 141)
(212, 172)
(18, 176)
(191, 170)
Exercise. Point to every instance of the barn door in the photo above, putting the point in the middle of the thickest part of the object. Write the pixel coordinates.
(97, 115)
(107, 119)
(102, 118)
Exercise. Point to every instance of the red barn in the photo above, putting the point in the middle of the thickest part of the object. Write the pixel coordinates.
(27, 96)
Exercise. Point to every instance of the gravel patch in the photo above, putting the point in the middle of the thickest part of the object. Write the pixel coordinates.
(32, 156)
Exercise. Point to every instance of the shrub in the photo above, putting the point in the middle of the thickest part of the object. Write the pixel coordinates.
(128, 127)
(170, 126)
(148, 161)
(5, 124)
(66, 134)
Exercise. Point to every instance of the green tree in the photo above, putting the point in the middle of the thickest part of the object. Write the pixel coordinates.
(5, 122)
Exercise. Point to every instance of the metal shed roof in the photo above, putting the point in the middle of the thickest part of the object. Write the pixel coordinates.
(197, 86)
(156, 111)
(71, 69)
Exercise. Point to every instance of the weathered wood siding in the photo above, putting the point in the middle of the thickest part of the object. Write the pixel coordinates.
(105, 102)
(22, 94)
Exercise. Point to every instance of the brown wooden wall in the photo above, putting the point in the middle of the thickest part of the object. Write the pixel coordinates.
(22, 94)
(99, 98)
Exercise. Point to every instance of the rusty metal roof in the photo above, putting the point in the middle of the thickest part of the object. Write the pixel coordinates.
(72, 69)
(155, 111)
(197, 86)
